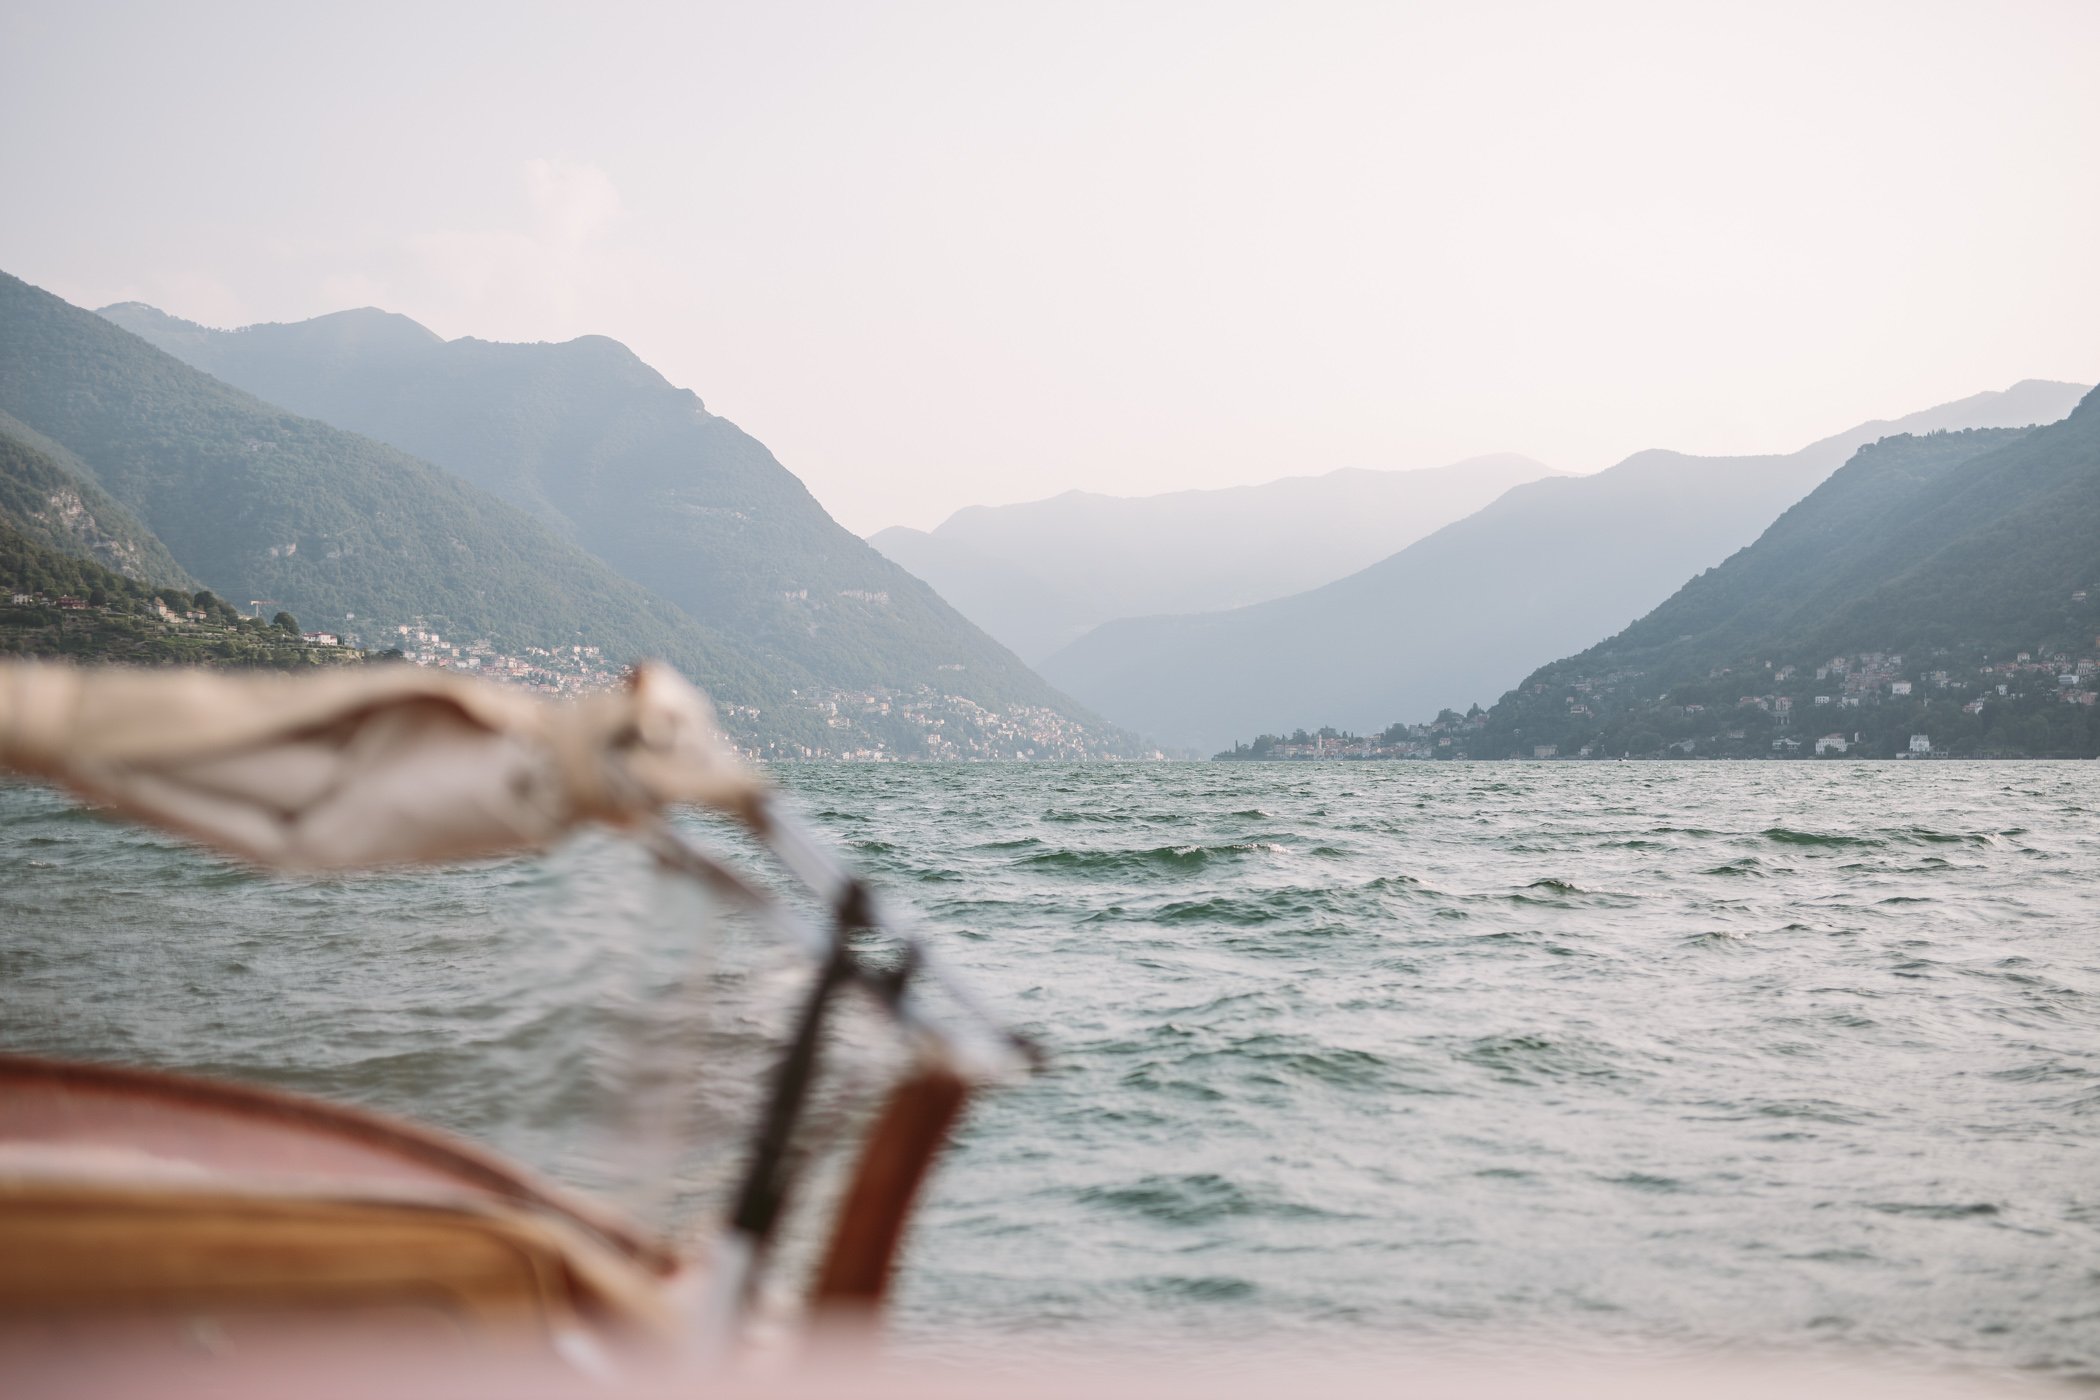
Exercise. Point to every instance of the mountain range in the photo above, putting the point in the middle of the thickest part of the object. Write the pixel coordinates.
(601, 449)
(1905, 591)
(1462, 614)
(1038, 576)
(262, 504)
(258, 500)
(564, 502)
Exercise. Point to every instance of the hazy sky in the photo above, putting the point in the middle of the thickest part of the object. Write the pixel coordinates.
(942, 254)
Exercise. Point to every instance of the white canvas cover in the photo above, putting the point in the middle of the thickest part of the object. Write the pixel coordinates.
(365, 766)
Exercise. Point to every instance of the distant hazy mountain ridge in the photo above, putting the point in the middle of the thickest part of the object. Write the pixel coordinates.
(1039, 575)
(600, 448)
(1463, 614)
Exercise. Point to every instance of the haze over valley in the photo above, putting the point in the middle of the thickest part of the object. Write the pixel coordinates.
(1039, 576)
(1460, 616)
(618, 518)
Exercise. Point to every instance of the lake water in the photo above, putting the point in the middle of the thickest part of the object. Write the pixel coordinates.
(1646, 1058)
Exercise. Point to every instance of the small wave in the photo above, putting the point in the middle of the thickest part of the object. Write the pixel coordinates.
(1194, 1199)
(1930, 1211)
(1519, 1059)
(217, 876)
(1839, 1256)
(1208, 1288)
(1813, 1110)
(80, 814)
(1933, 837)
(2050, 1070)
(1277, 1055)
(1156, 858)
(1555, 893)
(1154, 1080)
(1220, 910)
(1788, 836)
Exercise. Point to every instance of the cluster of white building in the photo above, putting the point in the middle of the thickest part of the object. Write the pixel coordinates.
(926, 724)
(572, 670)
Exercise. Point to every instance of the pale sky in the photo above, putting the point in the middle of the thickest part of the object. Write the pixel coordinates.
(941, 254)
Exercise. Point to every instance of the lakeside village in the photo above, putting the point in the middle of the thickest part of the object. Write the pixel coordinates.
(167, 626)
(874, 726)
(889, 726)
(1446, 736)
(572, 670)
(870, 726)
(1866, 705)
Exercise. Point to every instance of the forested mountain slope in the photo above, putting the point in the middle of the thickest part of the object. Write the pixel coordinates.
(1040, 574)
(49, 497)
(344, 532)
(599, 447)
(59, 599)
(1465, 613)
(1904, 591)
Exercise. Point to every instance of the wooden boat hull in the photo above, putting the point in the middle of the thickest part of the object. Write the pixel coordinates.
(134, 1201)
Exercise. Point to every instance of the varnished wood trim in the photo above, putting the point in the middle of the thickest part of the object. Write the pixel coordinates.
(909, 1135)
(464, 1162)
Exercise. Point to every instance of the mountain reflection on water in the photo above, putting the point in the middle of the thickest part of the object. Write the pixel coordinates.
(1624, 1058)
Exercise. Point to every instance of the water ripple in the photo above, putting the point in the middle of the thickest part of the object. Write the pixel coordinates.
(1638, 1056)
